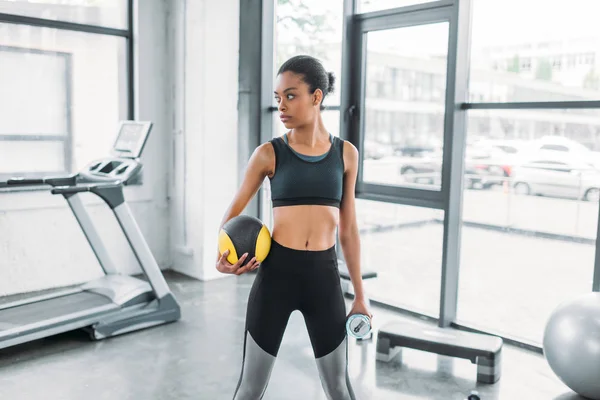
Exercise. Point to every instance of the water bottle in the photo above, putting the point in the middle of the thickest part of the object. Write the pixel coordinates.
(358, 326)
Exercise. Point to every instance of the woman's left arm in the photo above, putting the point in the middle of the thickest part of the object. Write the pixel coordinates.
(348, 227)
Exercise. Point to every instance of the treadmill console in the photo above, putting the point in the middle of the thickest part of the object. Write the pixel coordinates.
(124, 165)
(131, 139)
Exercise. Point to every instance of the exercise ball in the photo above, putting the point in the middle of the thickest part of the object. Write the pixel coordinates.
(245, 234)
(572, 344)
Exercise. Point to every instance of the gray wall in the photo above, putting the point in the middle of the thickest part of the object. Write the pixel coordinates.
(203, 35)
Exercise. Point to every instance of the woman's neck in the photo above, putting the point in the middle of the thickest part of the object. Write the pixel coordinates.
(309, 135)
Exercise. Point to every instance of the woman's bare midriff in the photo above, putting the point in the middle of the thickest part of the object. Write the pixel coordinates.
(305, 227)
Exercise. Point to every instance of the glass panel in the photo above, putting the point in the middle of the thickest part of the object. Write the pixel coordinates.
(32, 81)
(557, 60)
(331, 119)
(405, 104)
(529, 232)
(404, 245)
(48, 157)
(70, 79)
(312, 27)
(365, 6)
(108, 13)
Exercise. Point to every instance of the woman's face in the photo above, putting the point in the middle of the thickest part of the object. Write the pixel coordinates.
(297, 107)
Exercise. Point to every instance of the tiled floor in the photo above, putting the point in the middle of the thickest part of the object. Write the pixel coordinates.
(199, 358)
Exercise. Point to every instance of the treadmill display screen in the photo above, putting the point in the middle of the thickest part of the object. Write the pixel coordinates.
(132, 137)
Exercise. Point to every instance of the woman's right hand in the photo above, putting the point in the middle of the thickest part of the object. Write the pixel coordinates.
(226, 267)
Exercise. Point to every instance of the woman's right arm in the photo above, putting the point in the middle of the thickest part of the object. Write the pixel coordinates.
(260, 165)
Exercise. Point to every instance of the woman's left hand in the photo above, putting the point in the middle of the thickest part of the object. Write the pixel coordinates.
(360, 307)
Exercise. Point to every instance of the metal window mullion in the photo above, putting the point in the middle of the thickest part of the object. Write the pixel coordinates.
(405, 10)
(267, 59)
(68, 145)
(249, 92)
(347, 96)
(64, 25)
(453, 160)
(358, 114)
(531, 105)
(375, 195)
(432, 197)
(348, 82)
(327, 108)
(130, 61)
(395, 21)
(596, 276)
(33, 138)
(26, 50)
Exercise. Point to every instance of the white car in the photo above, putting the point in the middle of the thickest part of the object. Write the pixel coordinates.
(558, 178)
(560, 148)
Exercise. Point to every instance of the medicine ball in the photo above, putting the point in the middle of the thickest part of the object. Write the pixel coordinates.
(245, 234)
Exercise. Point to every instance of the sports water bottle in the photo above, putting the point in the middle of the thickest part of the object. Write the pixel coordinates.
(358, 326)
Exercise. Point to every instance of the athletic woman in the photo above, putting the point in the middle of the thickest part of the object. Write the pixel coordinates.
(312, 175)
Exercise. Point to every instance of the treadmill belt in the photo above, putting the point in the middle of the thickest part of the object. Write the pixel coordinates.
(48, 309)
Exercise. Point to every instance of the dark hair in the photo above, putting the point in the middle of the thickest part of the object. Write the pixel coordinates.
(313, 74)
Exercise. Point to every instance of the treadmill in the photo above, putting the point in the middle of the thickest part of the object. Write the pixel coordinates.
(114, 304)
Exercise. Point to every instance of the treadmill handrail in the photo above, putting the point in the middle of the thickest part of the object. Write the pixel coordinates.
(55, 181)
(85, 188)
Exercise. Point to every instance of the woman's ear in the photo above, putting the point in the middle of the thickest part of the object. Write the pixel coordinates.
(317, 97)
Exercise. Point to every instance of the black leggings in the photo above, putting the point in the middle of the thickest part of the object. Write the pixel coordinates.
(289, 280)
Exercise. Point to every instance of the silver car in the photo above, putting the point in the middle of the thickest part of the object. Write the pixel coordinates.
(557, 178)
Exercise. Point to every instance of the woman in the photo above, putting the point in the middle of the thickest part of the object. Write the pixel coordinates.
(312, 175)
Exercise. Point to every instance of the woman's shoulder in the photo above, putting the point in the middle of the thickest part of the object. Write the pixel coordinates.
(349, 148)
(263, 158)
(265, 150)
(349, 155)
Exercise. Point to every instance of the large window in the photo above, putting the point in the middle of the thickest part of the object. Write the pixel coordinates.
(405, 93)
(553, 58)
(365, 6)
(529, 232)
(62, 91)
(403, 244)
(311, 27)
(109, 13)
(532, 183)
(518, 123)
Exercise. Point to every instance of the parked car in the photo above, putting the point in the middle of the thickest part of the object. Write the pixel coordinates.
(424, 169)
(417, 147)
(561, 148)
(555, 178)
(487, 163)
(376, 151)
(490, 162)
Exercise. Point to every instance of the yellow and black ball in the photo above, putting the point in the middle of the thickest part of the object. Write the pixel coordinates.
(245, 234)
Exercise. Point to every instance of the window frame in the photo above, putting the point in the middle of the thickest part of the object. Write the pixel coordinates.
(459, 105)
(67, 137)
(127, 34)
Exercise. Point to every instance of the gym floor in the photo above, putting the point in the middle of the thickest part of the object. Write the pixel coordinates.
(200, 357)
